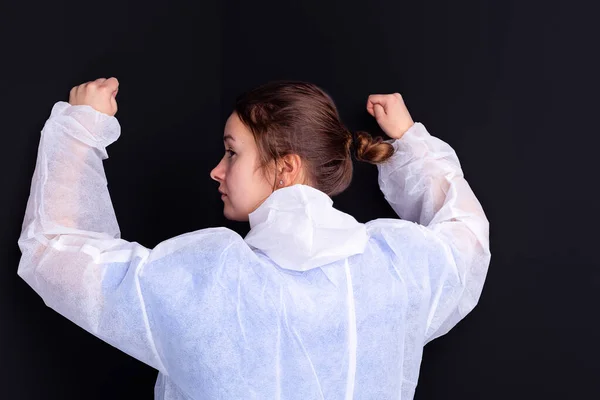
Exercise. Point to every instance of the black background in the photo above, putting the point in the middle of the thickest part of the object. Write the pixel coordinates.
(510, 85)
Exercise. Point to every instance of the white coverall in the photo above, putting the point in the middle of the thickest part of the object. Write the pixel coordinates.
(311, 304)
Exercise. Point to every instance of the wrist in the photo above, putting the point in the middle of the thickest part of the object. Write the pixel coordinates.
(401, 132)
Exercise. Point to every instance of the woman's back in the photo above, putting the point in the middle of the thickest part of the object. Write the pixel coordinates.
(261, 331)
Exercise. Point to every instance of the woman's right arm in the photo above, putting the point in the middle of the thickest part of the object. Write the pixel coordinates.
(424, 183)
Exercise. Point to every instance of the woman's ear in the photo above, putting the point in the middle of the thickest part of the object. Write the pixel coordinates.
(291, 169)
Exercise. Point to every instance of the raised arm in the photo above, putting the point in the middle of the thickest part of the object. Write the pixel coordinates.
(424, 183)
(72, 254)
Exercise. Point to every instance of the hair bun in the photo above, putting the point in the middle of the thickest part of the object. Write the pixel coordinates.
(371, 150)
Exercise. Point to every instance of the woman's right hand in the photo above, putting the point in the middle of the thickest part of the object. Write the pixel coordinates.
(391, 113)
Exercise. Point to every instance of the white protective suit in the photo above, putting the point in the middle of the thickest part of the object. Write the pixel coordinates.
(311, 304)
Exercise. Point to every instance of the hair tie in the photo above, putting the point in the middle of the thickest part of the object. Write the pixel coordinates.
(353, 141)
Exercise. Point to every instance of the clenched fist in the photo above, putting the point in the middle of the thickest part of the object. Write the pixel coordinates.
(391, 113)
(99, 94)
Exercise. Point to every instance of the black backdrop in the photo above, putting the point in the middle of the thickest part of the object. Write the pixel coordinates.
(509, 84)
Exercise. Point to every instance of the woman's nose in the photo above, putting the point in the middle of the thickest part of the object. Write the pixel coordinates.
(217, 173)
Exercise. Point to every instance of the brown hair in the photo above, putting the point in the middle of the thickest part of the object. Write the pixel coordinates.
(294, 117)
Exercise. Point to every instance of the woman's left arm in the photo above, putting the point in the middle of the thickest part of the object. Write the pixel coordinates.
(72, 253)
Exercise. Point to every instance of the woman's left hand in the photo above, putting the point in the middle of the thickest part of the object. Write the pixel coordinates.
(99, 94)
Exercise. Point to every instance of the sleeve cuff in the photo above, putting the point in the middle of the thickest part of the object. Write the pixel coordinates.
(100, 130)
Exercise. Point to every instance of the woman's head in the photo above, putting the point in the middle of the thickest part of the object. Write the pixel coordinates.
(285, 133)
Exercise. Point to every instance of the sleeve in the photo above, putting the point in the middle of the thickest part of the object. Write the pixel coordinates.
(72, 253)
(423, 182)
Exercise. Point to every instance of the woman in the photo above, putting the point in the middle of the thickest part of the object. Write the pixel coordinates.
(310, 304)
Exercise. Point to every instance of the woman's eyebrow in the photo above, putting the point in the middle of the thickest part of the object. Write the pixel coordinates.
(228, 137)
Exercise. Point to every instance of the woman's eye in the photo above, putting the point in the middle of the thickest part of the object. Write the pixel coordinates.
(231, 153)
